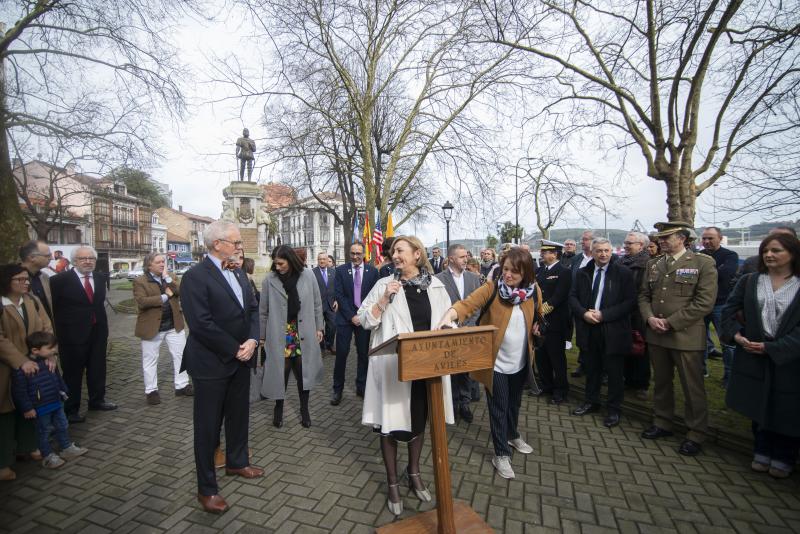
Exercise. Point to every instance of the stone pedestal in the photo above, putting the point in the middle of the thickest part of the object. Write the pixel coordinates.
(243, 206)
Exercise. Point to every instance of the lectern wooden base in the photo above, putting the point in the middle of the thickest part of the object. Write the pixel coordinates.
(429, 356)
(467, 522)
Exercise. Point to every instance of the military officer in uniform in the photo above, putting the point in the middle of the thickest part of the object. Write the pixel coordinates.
(678, 290)
(554, 280)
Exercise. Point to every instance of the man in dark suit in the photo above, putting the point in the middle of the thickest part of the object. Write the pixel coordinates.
(436, 260)
(82, 329)
(352, 284)
(602, 298)
(459, 284)
(727, 262)
(555, 281)
(325, 280)
(222, 314)
(578, 262)
(35, 256)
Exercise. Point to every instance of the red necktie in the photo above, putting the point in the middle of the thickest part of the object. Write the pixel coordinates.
(87, 286)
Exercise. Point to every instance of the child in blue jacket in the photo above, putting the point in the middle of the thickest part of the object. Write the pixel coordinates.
(41, 397)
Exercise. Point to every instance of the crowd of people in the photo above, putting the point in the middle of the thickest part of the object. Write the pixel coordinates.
(635, 319)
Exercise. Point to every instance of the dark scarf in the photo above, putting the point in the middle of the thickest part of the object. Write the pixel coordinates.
(422, 280)
(289, 281)
(636, 261)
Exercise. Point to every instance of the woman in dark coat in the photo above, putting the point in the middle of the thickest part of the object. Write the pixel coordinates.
(762, 316)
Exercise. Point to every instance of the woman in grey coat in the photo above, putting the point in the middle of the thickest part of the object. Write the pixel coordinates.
(291, 329)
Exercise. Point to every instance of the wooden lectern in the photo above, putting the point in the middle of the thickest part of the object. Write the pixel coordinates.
(430, 355)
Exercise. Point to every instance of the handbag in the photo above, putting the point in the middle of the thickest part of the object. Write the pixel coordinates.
(256, 378)
(637, 349)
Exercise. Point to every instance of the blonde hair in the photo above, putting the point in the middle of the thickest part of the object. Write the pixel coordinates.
(417, 245)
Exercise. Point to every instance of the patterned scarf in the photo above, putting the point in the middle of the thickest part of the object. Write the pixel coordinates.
(422, 280)
(514, 295)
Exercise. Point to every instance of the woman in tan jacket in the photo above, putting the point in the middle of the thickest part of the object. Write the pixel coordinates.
(512, 304)
(22, 314)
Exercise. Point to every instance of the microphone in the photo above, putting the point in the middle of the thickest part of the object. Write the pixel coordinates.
(396, 277)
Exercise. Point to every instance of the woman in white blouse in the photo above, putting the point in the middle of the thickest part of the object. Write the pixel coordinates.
(407, 302)
(762, 316)
(512, 304)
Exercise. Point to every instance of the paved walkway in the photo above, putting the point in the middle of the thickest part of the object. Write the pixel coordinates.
(139, 473)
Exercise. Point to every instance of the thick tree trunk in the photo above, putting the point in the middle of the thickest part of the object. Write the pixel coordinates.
(12, 222)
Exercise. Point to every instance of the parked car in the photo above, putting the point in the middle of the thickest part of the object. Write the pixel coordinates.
(182, 270)
(136, 273)
(117, 275)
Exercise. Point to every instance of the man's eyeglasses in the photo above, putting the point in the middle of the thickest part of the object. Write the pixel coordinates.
(22, 280)
(236, 244)
(85, 258)
(629, 242)
(47, 255)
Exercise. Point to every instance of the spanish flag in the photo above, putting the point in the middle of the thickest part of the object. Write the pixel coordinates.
(367, 239)
(389, 226)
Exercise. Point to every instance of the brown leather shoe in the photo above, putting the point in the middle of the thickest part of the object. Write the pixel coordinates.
(250, 471)
(214, 504)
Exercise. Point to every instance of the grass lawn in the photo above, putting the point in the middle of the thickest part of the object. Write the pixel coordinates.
(123, 284)
(723, 422)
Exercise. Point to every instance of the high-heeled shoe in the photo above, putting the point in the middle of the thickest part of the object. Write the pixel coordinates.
(422, 494)
(277, 416)
(396, 508)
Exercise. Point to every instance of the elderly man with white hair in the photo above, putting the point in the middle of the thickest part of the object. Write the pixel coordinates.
(222, 315)
(637, 366)
(81, 326)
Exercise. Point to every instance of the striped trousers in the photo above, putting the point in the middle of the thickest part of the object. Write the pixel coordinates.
(504, 402)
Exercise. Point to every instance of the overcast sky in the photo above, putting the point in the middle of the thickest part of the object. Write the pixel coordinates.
(200, 153)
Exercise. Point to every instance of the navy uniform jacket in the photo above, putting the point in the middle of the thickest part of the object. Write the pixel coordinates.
(555, 284)
(218, 324)
(343, 289)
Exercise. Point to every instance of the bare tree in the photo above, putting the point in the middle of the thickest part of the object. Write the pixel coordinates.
(85, 72)
(419, 59)
(556, 194)
(692, 85)
(767, 184)
(51, 194)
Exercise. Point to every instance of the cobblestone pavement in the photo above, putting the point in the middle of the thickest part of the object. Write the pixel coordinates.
(139, 474)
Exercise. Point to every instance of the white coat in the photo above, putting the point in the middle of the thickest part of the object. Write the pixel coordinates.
(387, 401)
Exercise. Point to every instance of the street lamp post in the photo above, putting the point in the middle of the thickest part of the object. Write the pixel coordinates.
(447, 211)
(516, 205)
(605, 217)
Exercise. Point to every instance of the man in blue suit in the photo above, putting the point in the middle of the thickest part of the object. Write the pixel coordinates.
(324, 274)
(222, 314)
(352, 284)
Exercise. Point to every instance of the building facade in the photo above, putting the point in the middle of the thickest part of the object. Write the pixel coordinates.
(122, 225)
(187, 227)
(158, 231)
(76, 208)
(308, 225)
